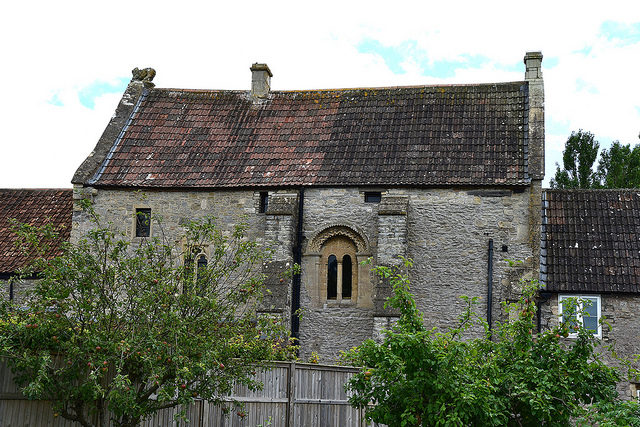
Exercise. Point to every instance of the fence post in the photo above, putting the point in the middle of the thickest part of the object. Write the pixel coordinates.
(291, 393)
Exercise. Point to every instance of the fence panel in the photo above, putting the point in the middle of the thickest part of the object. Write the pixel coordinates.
(294, 394)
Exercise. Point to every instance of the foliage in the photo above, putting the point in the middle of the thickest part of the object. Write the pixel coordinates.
(610, 414)
(618, 167)
(578, 158)
(137, 327)
(509, 376)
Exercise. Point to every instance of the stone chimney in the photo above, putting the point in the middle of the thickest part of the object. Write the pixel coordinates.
(260, 80)
(533, 75)
(533, 63)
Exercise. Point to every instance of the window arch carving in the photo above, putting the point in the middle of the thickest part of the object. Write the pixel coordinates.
(335, 230)
(336, 251)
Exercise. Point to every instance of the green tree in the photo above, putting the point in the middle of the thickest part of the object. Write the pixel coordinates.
(578, 159)
(619, 166)
(120, 330)
(509, 377)
(611, 414)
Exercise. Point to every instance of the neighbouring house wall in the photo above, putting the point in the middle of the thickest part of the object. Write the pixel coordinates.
(620, 328)
(446, 232)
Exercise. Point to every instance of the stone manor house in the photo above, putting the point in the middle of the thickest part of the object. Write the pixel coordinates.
(444, 175)
(450, 176)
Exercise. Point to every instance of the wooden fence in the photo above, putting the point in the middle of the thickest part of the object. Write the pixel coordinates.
(294, 395)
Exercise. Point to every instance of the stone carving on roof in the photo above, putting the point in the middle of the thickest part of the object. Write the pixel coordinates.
(144, 75)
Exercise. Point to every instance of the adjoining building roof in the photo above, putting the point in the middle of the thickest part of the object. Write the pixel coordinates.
(591, 240)
(420, 136)
(33, 207)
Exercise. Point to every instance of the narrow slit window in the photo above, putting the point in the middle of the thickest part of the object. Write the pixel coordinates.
(332, 277)
(143, 222)
(264, 201)
(372, 197)
(346, 277)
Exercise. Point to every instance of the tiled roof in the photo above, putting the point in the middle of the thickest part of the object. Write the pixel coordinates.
(34, 207)
(428, 135)
(591, 240)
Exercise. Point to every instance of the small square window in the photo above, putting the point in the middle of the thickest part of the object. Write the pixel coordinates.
(372, 196)
(143, 222)
(584, 311)
(264, 201)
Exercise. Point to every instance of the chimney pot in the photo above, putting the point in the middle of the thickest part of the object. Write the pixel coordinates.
(260, 80)
(533, 65)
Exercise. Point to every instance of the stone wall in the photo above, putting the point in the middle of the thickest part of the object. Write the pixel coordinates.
(620, 329)
(20, 288)
(171, 209)
(446, 232)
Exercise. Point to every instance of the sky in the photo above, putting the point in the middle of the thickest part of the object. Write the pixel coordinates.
(65, 64)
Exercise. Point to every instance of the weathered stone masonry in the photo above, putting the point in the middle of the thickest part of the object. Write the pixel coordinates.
(171, 209)
(440, 229)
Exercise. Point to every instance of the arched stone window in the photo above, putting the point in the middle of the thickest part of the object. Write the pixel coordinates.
(335, 259)
(195, 262)
(333, 270)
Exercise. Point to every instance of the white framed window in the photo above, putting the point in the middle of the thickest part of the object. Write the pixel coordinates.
(635, 391)
(584, 311)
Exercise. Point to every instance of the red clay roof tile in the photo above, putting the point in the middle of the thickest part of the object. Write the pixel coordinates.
(433, 135)
(34, 207)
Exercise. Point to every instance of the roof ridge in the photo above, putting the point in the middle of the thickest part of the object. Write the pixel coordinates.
(113, 148)
(344, 89)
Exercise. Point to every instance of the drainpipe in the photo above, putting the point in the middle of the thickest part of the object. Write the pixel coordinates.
(6, 279)
(490, 283)
(297, 258)
(543, 297)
